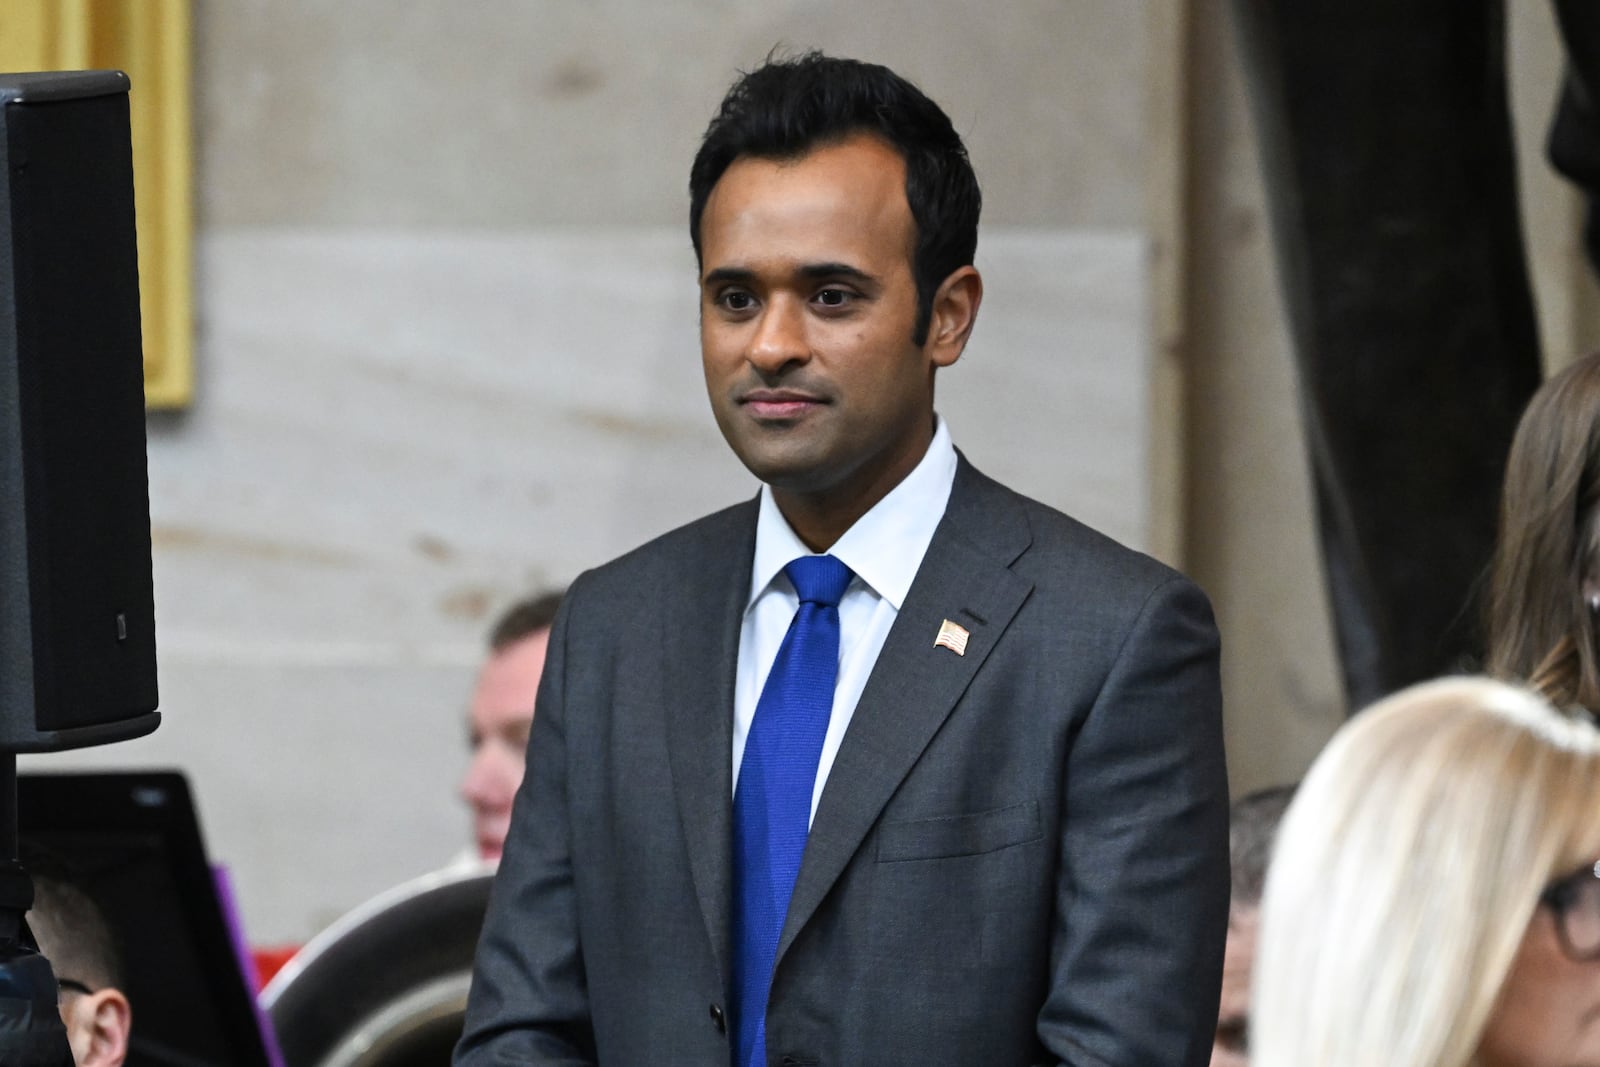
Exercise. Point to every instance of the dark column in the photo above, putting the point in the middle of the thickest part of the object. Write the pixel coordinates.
(1386, 143)
(1575, 133)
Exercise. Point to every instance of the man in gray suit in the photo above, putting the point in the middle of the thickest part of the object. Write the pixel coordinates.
(951, 793)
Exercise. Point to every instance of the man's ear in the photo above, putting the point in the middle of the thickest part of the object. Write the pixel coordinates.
(98, 1024)
(955, 310)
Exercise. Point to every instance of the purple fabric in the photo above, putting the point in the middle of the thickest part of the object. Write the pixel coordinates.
(241, 952)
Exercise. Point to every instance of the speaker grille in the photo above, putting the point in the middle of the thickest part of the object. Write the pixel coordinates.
(77, 626)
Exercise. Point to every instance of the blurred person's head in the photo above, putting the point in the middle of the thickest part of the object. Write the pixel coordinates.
(501, 714)
(787, 108)
(1421, 908)
(1253, 824)
(74, 935)
(1544, 596)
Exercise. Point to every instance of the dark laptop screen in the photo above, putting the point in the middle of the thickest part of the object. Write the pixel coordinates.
(132, 840)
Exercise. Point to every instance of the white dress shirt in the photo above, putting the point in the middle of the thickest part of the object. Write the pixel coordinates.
(883, 550)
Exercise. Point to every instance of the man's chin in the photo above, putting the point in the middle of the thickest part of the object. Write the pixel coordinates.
(782, 457)
(788, 472)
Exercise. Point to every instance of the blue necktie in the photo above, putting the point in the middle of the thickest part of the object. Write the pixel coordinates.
(772, 804)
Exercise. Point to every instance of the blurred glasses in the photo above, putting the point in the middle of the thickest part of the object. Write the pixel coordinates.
(70, 985)
(1575, 902)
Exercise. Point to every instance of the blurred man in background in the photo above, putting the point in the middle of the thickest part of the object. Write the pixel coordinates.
(501, 715)
(74, 935)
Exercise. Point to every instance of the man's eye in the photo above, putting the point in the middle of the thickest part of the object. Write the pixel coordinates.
(833, 298)
(736, 300)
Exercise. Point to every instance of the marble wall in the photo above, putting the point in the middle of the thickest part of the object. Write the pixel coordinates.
(447, 353)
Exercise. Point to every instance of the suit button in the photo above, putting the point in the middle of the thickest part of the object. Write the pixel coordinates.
(719, 1020)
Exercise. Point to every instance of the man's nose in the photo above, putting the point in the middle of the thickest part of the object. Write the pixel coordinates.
(477, 785)
(780, 336)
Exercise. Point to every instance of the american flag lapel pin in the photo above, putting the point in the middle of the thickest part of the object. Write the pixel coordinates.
(952, 636)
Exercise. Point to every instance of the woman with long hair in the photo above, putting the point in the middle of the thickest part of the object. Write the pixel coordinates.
(1434, 895)
(1544, 591)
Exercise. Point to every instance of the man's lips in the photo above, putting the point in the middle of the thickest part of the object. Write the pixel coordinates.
(779, 403)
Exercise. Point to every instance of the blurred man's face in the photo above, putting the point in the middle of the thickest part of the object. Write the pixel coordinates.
(498, 724)
(1230, 1049)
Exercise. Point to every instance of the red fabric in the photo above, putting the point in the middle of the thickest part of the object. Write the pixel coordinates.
(269, 961)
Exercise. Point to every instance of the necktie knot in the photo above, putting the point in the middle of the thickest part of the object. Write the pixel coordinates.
(819, 579)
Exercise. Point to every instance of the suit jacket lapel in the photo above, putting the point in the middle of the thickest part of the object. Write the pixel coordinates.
(963, 578)
(700, 655)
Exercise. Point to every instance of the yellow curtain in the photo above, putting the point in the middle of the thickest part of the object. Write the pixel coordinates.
(149, 40)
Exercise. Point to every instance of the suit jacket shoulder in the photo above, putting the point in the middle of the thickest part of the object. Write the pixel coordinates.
(1049, 548)
(664, 568)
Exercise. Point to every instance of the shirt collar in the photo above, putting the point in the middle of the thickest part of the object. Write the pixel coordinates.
(886, 545)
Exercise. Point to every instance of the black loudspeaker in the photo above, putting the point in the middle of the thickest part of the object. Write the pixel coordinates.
(77, 611)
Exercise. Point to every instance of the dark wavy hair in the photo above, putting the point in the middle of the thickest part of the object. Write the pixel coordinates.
(1541, 630)
(787, 107)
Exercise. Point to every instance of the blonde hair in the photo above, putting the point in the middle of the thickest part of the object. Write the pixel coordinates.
(1407, 870)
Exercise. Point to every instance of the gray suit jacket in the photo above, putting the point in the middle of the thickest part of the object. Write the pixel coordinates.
(1020, 855)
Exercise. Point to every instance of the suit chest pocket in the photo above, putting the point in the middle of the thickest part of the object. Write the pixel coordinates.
(959, 835)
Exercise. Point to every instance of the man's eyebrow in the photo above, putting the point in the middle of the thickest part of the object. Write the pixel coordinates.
(811, 272)
(721, 275)
(819, 271)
